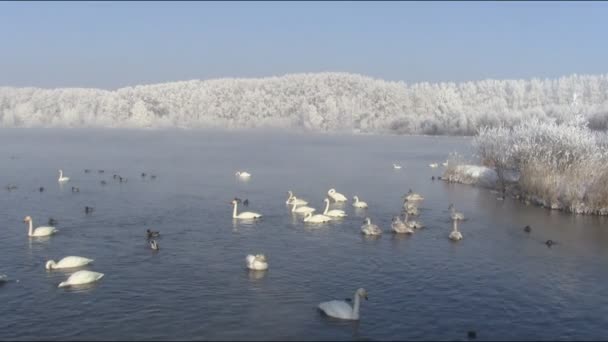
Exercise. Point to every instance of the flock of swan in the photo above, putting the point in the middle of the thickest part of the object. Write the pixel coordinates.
(258, 262)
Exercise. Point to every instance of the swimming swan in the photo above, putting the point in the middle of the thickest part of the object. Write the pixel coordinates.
(257, 262)
(40, 231)
(244, 215)
(370, 229)
(359, 204)
(301, 210)
(154, 245)
(399, 227)
(243, 174)
(68, 262)
(293, 199)
(342, 310)
(334, 212)
(336, 196)
(316, 218)
(81, 277)
(455, 235)
(61, 178)
(395, 166)
(455, 215)
(412, 196)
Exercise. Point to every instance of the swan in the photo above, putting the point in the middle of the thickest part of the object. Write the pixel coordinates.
(151, 233)
(412, 224)
(243, 174)
(81, 277)
(412, 196)
(154, 245)
(302, 209)
(68, 262)
(433, 165)
(456, 215)
(40, 231)
(410, 208)
(359, 204)
(342, 310)
(244, 215)
(445, 163)
(257, 262)
(455, 235)
(61, 178)
(395, 166)
(334, 212)
(370, 229)
(316, 218)
(293, 199)
(336, 196)
(399, 227)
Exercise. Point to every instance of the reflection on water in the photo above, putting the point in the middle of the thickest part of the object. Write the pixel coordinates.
(499, 280)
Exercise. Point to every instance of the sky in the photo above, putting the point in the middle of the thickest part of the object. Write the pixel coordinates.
(116, 44)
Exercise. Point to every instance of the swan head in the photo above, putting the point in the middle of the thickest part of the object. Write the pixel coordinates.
(367, 220)
(49, 264)
(290, 193)
(234, 201)
(362, 293)
(326, 200)
(356, 198)
(27, 219)
(331, 191)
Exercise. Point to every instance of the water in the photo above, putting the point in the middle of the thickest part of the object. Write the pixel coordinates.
(499, 281)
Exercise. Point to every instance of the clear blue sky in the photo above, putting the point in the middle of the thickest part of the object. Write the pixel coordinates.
(114, 44)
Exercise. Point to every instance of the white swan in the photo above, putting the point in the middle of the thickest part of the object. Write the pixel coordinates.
(399, 227)
(358, 204)
(445, 163)
(243, 174)
(81, 277)
(455, 215)
(61, 178)
(334, 212)
(412, 224)
(257, 262)
(370, 229)
(293, 199)
(433, 165)
(316, 218)
(40, 231)
(302, 209)
(412, 196)
(410, 207)
(154, 245)
(455, 235)
(395, 166)
(342, 310)
(3, 278)
(68, 262)
(336, 196)
(244, 215)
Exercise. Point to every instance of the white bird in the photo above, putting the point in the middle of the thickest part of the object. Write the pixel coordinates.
(412, 224)
(243, 215)
(399, 227)
(395, 166)
(455, 215)
(154, 245)
(257, 262)
(455, 235)
(334, 212)
(243, 174)
(292, 198)
(301, 210)
(81, 277)
(40, 231)
(433, 165)
(370, 229)
(316, 218)
(336, 196)
(358, 204)
(61, 178)
(342, 310)
(445, 163)
(412, 196)
(410, 207)
(68, 262)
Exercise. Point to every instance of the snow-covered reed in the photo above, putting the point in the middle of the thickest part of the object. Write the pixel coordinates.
(320, 102)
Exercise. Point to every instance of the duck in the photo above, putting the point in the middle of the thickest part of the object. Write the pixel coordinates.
(68, 262)
(370, 229)
(341, 309)
(412, 196)
(246, 202)
(143, 174)
(292, 198)
(358, 204)
(243, 215)
(309, 218)
(75, 189)
(52, 222)
(243, 174)
(81, 277)
(103, 182)
(455, 235)
(40, 231)
(334, 212)
(336, 196)
(256, 262)
(41, 189)
(154, 245)
(153, 176)
(88, 209)
(62, 178)
(302, 209)
(399, 227)
(549, 243)
(527, 229)
(151, 234)
(87, 171)
(455, 215)
(100, 171)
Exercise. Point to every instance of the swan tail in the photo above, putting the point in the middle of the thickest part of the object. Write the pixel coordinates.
(63, 284)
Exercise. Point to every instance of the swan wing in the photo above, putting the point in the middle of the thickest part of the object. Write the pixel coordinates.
(337, 309)
(44, 231)
(73, 261)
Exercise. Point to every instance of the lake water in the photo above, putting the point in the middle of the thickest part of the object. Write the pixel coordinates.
(499, 281)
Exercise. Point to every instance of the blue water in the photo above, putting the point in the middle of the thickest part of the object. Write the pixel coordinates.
(499, 281)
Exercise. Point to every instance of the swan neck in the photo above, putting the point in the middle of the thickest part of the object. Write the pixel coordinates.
(455, 225)
(31, 228)
(234, 211)
(294, 205)
(326, 207)
(357, 303)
